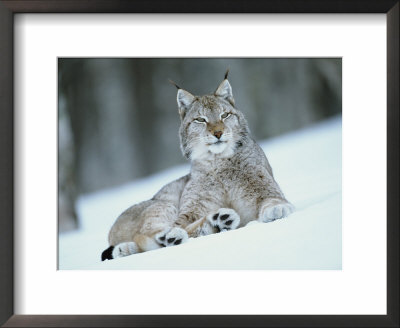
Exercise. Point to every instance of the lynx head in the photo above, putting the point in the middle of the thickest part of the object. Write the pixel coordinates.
(210, 125)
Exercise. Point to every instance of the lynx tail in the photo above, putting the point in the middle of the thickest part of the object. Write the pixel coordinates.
(107, 254)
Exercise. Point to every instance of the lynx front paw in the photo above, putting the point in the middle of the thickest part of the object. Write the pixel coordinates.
(225, 219)
(275, 212)
(171, 237)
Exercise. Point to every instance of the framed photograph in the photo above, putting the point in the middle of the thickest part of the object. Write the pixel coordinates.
(283, 116)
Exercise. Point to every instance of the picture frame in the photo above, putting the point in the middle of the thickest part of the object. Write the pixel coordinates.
(7, 10)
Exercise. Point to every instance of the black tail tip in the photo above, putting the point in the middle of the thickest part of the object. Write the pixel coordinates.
(107, 254)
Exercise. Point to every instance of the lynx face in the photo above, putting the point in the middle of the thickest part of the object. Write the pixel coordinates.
(210, 125)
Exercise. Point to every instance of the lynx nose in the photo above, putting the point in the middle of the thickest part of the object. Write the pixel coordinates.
(218, 134)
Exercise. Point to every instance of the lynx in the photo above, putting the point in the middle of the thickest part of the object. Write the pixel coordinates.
(230, 182)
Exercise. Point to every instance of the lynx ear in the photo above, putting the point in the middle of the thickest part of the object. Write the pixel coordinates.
(225, 91)
(184, 99)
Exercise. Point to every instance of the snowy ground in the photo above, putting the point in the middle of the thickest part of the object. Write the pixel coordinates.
(307, 166)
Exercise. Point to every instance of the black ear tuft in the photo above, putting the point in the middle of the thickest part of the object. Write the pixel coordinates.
(173, 83)
(226, 74)
(107, 254)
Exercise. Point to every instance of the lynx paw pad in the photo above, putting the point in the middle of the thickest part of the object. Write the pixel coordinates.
(171, 237)
(279, 211)
(224, 220)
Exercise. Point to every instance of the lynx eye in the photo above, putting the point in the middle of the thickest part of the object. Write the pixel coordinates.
(200, 119)
(225, 115)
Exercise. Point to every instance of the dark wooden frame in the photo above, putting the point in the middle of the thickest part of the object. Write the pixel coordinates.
(10, 7)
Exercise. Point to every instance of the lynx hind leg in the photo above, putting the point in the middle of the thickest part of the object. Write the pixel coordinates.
(275, 209)
(224, 220)
(141, 243)
(171, 237)
(125, 249)
(120, 250)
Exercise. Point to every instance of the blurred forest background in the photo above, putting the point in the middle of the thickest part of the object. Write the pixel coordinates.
(118, 118)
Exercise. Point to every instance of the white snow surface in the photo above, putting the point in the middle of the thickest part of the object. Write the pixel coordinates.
(307, 164)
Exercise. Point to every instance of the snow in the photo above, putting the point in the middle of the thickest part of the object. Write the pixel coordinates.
(307, 164)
